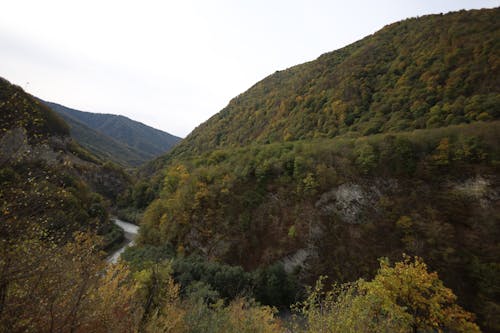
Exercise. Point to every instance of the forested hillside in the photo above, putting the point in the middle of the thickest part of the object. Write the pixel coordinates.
(32, 132)
(54, 200)
(371, 175)
(118, 138)
(425, 72)
(104, 146)
(387, 146)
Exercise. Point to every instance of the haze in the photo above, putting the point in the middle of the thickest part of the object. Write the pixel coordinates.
(173, 64)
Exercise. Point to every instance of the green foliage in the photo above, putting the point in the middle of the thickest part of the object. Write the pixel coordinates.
(113, 236)
(398, 154)
(140, 258)
(270, 286)
(199, 310)
(366, 156)
(274, 286)
(228, 281)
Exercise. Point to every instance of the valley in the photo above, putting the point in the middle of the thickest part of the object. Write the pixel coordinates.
(358, 192)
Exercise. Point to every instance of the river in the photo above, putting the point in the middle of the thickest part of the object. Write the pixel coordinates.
(130, 232)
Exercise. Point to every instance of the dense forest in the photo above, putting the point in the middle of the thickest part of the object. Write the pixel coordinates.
(387, 146)
(425, 72)
(358, 192)
(333, 206)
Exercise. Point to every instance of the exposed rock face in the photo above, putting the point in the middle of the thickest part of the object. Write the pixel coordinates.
(296, 260)
(351, 202)
(354, 203)
(15, 148)
(480, 188)
(13, 145)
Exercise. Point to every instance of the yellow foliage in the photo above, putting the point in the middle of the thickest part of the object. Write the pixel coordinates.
(404, 298)
(409, 288)
(53, 288)
(441, 155)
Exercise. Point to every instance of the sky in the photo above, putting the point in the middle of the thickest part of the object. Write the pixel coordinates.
(173, 64)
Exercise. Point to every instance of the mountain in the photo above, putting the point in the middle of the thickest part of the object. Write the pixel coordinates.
(425, 72)
(50, 185)
(54, 202)
(118, 138)
(387, 146)
(103, 145)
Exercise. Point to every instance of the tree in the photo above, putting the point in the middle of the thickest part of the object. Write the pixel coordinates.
(441, 156)
(419, 295)
(366, 157)
(46, 287)
(403, 298)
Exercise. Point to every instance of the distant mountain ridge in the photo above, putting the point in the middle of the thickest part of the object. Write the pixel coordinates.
(123, 140)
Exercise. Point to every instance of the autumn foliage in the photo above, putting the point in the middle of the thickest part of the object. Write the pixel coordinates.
(402, 298)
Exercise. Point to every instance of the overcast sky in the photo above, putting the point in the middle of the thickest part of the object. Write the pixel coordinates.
(173, 64)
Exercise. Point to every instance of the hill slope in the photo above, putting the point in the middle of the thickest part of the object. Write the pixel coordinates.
(103, 145)
(118, 138)
(49, 184)
(419, 73)
(387, 146)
